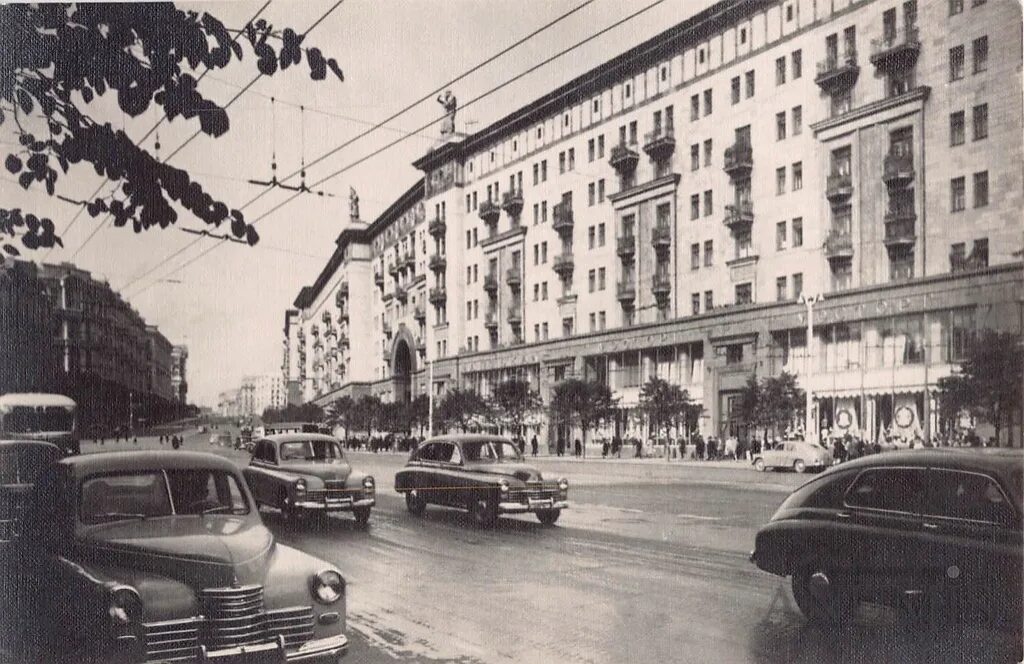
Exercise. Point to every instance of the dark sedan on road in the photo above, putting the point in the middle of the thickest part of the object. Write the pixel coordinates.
(300, 473)
(162, 556)
(484, 475)
(936, 533)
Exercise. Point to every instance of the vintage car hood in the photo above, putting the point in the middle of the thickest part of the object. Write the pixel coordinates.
(210, 551)
(324, 471)
(520, 471)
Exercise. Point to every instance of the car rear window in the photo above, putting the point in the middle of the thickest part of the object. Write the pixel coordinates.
(890, 489)
(821, 493)
(956, 494)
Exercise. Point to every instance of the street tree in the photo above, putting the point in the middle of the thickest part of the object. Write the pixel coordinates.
(512, 403)
(584, 404)
(988, 382)
(367, 413)
(662, 403)
(393, 417)
(458, 409)
(341, 413)
(419, 412)
(306, 412)
(65, 63)
(771, 404)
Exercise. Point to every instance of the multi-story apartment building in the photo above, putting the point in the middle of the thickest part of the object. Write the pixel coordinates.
(28, 331)
(158, 357)
(179, 380)
(663, 213)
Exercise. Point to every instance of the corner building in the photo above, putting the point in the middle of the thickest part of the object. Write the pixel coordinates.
(662, 214)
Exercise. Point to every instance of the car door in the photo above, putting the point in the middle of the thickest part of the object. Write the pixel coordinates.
(973, 536)
(263, 460)
(446, 466)
(424, 478)
(883, 506)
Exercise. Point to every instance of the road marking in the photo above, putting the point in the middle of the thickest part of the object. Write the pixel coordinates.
(701, 517)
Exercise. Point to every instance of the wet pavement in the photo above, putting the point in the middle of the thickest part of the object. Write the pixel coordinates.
(648, 565)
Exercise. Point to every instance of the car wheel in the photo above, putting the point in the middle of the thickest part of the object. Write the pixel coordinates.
(362, 515)
(484, 511)
(548, 517)
(799, 466)
(822, 598)
(414, 503)
(759, 465)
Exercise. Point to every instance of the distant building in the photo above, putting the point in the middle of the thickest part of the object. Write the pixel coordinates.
(179, 381)
(253, 396)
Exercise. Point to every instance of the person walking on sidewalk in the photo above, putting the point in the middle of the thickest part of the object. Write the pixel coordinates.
(578, 449)
(533, 445)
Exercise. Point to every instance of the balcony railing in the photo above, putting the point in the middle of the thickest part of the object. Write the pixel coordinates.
(512, 202)
(563, 219)
(386, 326)
(661, 237)
(436, 227)
(515, 313)
(491, 283)
(739, 160)
(625, 246)
(378, 278)
(898, 50)
(626, 292)
(491, 320)
(438, 263)
(838, 72)
(839, 187)
(401, 294)
(438, 296)
(409, 262)
(419, 313)
(490, 212)
(661, 286)
(393, 270)
(838, 245)
(898, 169)
(739, 217)
(513, 277)
(660, 143)
(563, 265)
(899, 229)
(624, 158)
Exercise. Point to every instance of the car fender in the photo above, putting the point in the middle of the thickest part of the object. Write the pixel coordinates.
(288, 583)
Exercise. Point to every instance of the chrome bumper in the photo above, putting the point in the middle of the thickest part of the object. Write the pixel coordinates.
(328, 649)
(342, 507)
(522, 508)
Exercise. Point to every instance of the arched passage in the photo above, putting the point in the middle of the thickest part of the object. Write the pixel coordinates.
(402, 367)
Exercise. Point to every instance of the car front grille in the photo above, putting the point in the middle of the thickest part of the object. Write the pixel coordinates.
(532, 493)
(335, 489)
(231, 617)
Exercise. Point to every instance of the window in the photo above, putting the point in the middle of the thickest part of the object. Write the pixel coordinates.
(694, 156)
(798, 284)
(544, 296)
(591, 237)
(956, 128)
(966, 496)
(789, 13)
(780, 236)
(591, 193)
(735, 90)
(694, 107)
(600, 235)
(980, 49)
(707, 102)
(632, 132)
(695, 256)
(536, 174)
(780, 70)
(956, 7)
(780, 180)
(600, 190)
(695, 303)
(980, 253)
(544, 213)
(957, 195)
(798, 120)
(567, 327)
(700, 56)
(797, 61)
(561, 162)
(708, 149)
(590, 150)
(601, 278)
(544, 171)
(708, 203)
(544, 330)
(536, 291)
(743, 35)
(602, 320)
(889, 489)
(781, 289)
(956, 63)
(694, 206)
(709, 301)
(981, 189)
(629, 90)
(600, 146)
(591, 280)
(780, 126)
(798, 176)
(593, 322)
(980, 116)
(798, 232)
(744, 294)
(749, 82)
(709, 252)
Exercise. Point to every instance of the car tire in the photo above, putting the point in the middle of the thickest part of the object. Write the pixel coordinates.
(799, 466)
(416, 505)
(362, 515)
(548, 517)
(484, 511)
(823, 600)
(759, 465)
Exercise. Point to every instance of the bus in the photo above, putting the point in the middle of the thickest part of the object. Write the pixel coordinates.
(40, 416)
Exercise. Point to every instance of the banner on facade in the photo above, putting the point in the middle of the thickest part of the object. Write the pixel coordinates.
(906, 421)
(846, 416)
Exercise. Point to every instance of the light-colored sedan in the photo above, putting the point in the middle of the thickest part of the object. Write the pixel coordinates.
(796, 454)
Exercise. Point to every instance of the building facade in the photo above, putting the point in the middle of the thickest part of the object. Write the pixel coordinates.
(179, 375)
(662, 214)
(29, 350)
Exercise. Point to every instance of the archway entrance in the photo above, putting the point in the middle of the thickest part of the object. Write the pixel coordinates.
(401, 371)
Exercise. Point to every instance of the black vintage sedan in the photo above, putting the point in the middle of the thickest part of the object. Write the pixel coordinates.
(934, 532)
(485, 475)
(162, 556)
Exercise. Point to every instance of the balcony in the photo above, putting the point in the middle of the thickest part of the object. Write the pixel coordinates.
(899, 229)
(661, 237)
(378, 278)
(626, 292)
(563, 265)
(739, 217)
(898, 170)
(490, 212)
(660, 143)
(419, 313)
(343, 315)
(563, 221)
(409, 262)
(838, 187)
(436, 227)
(491, 320)
(512, 202)
(401, 294)
(623, 159)
(421, 345)
(838, 73)
(438, 263)
(438, 297)
(739, 160)
(838, 246)
(491, 283)
(897, 51)
(513, 277)
(625, 247)
(661, 286)
(515, 314)
(393, 270)
(326, 317)
(386, 326)
(343, 341)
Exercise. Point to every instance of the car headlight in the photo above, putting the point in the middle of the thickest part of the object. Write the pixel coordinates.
(368, 483)
(300, 487)
(563, 484)
(125, 606)
(328, 586)
(503, 486)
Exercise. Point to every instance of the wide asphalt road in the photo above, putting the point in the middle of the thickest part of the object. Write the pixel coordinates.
(649, 565)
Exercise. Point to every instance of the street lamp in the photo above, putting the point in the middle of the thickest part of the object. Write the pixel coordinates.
(809, 301)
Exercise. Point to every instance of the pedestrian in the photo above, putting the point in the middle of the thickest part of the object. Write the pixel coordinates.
(578, 447)
(604, 448)
(699, 447)
(682, 449)
(639, 447)
(533, 445)
(617, 446)
(560, 446)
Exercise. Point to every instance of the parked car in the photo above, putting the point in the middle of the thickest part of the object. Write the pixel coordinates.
(485, 475)
(299, 473)
(799, 455)
(21, 462)
(162, 556)
(937, 531)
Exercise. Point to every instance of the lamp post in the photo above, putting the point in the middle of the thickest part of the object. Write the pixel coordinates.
(809, 424)
(430, 400)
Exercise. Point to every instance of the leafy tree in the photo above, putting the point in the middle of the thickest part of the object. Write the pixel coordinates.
(307, 412)
(367, 413)
(419, 412)
(662, 403)
(61, 60)
(458, 408)
(585, 404)
(988, 383)
(772, 403)
(341, 413)
(394, 417)
(512, 403)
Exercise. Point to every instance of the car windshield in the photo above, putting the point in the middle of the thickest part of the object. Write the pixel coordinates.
(146, 494)
(323, 451)
(490, 450)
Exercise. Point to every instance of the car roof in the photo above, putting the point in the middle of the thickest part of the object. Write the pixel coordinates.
(467, 438)
(993, 460)
(8, 444)
(113, 462)
(298, 437)
(35, 399)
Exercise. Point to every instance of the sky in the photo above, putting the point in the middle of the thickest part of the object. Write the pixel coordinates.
(227, 303)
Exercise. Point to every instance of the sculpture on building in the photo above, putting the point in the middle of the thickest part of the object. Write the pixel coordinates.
(450, 104)
(353, 204)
